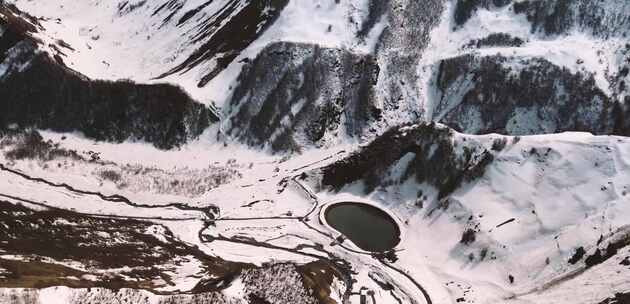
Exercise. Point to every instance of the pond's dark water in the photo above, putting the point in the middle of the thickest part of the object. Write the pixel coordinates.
(368, 227)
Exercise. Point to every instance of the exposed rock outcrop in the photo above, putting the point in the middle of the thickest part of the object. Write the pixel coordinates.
(293, 95)
(513, 95)
(426, 152)
(496, 39)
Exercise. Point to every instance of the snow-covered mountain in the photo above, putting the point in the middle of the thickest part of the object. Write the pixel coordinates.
(438, 60)
(40, 91)
(189, 151)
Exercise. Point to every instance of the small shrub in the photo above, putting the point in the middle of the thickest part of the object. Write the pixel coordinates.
(577, 256)
(499, 144)
(483, 254)
(516, 139)
(110, 175)
(468, 237)
(31, 145)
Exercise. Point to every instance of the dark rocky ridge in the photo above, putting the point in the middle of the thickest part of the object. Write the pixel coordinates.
(226, 33)
(435, 160)
(522, 96)
(293, 95)
(339, 87)
(14, 28)
(496, 39)
(39, 91)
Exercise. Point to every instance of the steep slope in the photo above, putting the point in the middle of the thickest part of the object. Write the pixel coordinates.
(538, 219)
(515, 95)
(160, 37)
(197, 44)
(210, 48)
(39, 91)
(339, 106)
(297, 95)
(426, 152)
(552, 66)
(243, 22)
(402, 34)
(455, 61)
(394, 104)
(603, 19)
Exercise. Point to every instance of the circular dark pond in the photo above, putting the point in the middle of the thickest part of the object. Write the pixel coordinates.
(368, 227)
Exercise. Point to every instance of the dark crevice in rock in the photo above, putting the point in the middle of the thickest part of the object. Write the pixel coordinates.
(188, 15)
(377, 9)
(577, 256)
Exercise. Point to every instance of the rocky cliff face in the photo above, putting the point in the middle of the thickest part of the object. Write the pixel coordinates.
(399, 50)
(527, 76)
(478, 66)
(475, 87)
(39, 91)
(301, 95)
(296, 95)
(508, 95)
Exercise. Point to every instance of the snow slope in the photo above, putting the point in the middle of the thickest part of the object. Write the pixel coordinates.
(484, 218)
(142, 40)
(538, 201)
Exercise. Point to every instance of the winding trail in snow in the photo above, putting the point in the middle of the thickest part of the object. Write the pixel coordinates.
(50, 207)
(424, 292)
(342, 265)
(116, 198)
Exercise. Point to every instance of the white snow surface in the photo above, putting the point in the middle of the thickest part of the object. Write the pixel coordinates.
(563, 191)
(137, 46)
